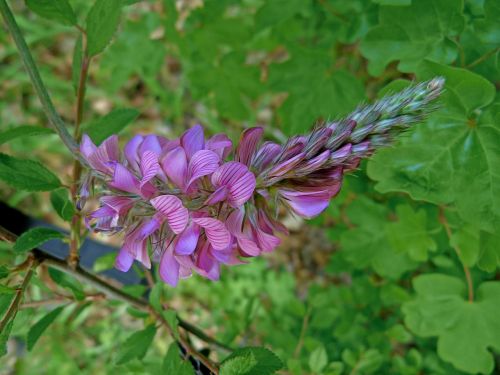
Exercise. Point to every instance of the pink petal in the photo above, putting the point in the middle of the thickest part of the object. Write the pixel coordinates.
(171, 207)
(249, 247)
(216, 232)
(306, 205)
(207, 265)
(174, 165)
(149, 166)
(124, 260)
(169, 267)
(130, 151)
(267, 153)
(217, 196)
(247, 145)
(187, 240)
(150, 143)
(87, 147)
(286, 166)
(193, 140)
(203, 163)
(124, 180)
(220, 144)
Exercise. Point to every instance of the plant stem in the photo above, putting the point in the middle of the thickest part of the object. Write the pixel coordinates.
(76, 221)
(14, 304)
(54, 119)
(468, 277)
(484, 57)
(107, 289)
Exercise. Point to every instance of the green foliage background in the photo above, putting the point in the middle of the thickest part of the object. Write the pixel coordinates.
(376, 285)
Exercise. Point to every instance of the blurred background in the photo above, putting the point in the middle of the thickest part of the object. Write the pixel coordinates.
(330, 299)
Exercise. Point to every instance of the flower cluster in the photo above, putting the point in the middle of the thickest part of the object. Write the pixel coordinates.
(185, 204)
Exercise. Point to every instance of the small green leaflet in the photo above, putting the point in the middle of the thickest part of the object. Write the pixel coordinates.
(6, 289)
(466, 331)
(61, 203)
(4, 271)
(111, 124)
(410, 233)
(65, 281)
(318, 359)
(39, 327)
(251, 361)
(104, 262)
(174, 364)
(171, 318)
(136, 345)
(23, 131)
(26, 174)
(4, 337)
(35, 237)
(102, 22)
(56, 10)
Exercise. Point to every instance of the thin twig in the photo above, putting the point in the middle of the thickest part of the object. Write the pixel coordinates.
(303, 330)
(468, 277)
(14, 304)
(484, 57)
(54, 119)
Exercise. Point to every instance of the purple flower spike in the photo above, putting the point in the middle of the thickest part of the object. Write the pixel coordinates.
(197, 209)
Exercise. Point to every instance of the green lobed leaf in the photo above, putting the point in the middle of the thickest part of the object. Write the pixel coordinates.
(466, 330)
(40, 326)
(251, 361)
(62, 204)
(174, 364)
(466, 238)
(102, 22)
(136, 345)
(489, 251)
(26, 174)
(411, 33)
(455, 156)
(35, 237)
(410, 233)
(23, 131)
(318, 359)
(112, 123)
(56, 10)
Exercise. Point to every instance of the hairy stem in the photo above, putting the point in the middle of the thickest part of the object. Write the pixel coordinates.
(76, 221)
(54, 119)
(468, 277)
(14, 304)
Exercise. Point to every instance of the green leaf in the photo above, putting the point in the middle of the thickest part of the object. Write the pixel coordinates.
(4, 272)
(455, 156)
(39, 327)
(56, 10)
(489, 253)
(277, 11)
(4, 337)
(465, 330)
(411, 33)
(62, 204)
(251, 361)
(104, 262)
(35, 237)
(410, 233)
(26, 174)
(102, 22)
(6, 289)
(171, 318)
(136, 345)
(23, 131)
(173, 363)
(318, 359)
(393, 2)
(112, 123)
(368, 245)
(65, 281)
(466, 238)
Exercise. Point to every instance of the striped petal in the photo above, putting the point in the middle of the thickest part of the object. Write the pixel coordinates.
(238, 179)
(306, 204)
(203, 163)
(220, 144)
(216, 232)
(172, 209)
(149, 166)
(187, 240)
(248, 144)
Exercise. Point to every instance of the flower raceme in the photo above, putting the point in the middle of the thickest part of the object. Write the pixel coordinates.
(185, 204)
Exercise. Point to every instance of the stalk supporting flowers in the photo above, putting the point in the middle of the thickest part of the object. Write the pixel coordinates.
(192, 204)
